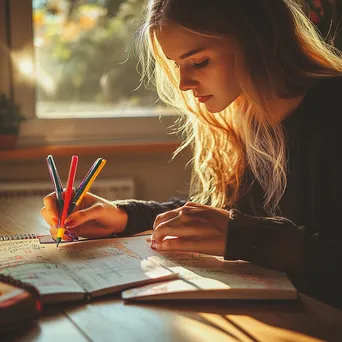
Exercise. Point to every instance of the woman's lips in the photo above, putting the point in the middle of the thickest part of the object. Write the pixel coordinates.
(204, 99)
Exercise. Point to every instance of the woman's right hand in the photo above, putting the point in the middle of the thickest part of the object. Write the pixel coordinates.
(95, 217)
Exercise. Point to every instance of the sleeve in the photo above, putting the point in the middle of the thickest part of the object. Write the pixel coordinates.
(313, 263)
(141, 214)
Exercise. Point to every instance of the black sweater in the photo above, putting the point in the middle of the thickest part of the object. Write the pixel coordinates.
(305, 240)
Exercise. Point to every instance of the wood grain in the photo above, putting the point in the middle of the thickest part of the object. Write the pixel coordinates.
(207, 321)
(54, 325)
(111, 319)
(22, 216)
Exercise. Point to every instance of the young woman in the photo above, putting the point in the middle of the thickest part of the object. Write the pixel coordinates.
(260, 94)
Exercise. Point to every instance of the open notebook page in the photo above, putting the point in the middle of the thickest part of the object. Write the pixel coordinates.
(98, 266)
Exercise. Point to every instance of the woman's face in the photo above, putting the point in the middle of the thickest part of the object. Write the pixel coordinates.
(206, 66)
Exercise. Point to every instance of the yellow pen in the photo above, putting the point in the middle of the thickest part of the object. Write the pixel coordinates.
(88, 183)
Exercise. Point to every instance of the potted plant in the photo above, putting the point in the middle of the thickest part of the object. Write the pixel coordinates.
(10, 119)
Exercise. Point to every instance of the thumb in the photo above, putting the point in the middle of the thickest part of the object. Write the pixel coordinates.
(81, 216)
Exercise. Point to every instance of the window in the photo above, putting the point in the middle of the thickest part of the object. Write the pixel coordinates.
(73, 72)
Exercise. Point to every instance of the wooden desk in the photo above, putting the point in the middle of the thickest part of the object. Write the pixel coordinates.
(110, 319)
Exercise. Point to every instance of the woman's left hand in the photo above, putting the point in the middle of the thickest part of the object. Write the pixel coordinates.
(192, 228)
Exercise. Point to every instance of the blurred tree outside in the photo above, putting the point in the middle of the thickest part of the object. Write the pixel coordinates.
(84, 52)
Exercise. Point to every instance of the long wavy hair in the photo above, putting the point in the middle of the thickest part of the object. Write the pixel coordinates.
(280, 54)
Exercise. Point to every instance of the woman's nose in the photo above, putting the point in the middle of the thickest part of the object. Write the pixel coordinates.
(187, 82)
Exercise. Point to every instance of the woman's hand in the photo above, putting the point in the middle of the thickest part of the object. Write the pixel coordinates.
(193, 228)
(95, 217)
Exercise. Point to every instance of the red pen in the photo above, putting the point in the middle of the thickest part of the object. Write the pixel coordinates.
(67, 198)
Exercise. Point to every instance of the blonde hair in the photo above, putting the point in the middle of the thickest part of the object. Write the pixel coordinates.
(281, 54)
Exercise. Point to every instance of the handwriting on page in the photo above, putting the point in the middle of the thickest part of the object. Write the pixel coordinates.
(103, 263)
(17, 252)
(49, 278)
(233, 273)
(32, 262)
(96, 249)
(94, 265)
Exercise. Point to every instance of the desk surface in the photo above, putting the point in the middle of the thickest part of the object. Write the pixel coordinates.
(110, 319)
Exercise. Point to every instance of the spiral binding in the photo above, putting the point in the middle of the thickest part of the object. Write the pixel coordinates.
(17, 237)
(7, 279)
(18, 283)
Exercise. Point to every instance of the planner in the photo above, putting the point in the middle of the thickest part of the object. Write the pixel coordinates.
(83, 269)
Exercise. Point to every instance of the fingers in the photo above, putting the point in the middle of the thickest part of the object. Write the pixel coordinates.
(53, 232)
(191, 228)
(50, 214)
(91, 230)
(82, 216)
(182, 225)
(194, 205)
(50, 211)
(66, 236)
(165, 217)
(50, 203)
(207, 246)
(186, 209)
(51, 220)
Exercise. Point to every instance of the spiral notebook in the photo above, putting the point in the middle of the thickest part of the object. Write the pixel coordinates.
(43, 239)
(18, 237)
(81, 270)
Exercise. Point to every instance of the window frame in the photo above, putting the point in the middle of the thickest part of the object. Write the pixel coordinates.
(94, 131)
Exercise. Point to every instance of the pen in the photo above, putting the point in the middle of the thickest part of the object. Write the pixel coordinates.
(88, 175)
(56, 181)
(67, 198)
(87, 184)
(86, 179)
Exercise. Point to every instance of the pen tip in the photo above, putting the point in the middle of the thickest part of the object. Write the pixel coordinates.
(58, 241)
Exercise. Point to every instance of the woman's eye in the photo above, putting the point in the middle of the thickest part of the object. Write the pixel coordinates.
(202, 64)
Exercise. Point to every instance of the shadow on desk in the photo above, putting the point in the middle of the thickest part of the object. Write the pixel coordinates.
(29, 331)
(261, 320)
(111, 319)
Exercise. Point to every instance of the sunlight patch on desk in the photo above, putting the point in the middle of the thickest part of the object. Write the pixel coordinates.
(269, 332)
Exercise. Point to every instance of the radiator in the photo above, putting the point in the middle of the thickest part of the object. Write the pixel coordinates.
(111, 189)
